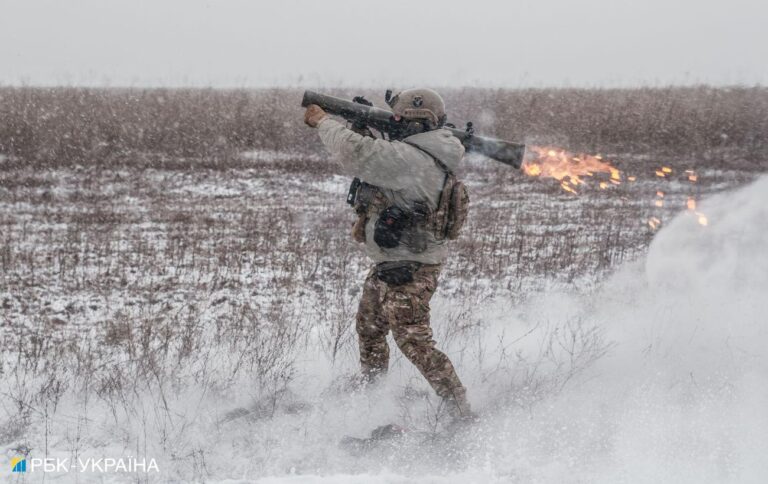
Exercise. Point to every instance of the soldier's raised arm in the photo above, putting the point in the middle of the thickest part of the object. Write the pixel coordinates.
(379, 162)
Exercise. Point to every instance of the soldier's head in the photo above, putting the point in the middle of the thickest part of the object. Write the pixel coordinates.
(423, 107)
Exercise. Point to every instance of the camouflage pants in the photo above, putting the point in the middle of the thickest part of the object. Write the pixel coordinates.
(404, 310)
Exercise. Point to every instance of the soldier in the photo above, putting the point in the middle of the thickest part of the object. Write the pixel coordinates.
(402, 220)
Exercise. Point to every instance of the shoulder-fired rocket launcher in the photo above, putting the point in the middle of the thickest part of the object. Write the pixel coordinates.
(384, 121)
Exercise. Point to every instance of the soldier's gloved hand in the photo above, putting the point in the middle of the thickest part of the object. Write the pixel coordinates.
(313, 115)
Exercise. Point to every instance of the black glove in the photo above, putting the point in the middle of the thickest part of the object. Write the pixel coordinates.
(362, 100)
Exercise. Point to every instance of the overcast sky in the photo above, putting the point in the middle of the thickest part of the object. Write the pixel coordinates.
(236, 43)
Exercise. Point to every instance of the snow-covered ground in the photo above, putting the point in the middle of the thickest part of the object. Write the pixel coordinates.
(204, 319)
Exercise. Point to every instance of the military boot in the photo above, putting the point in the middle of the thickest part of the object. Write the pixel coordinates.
(459, 410)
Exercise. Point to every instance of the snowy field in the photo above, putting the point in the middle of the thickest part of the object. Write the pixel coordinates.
(205, 319)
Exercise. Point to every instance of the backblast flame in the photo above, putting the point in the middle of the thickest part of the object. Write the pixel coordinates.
(571, 171)
(567, 168)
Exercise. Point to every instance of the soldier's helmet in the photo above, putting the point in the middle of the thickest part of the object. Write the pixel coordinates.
(419, 104)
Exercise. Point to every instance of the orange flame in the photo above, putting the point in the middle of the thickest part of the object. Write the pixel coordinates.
(567, 168)
(570, 170)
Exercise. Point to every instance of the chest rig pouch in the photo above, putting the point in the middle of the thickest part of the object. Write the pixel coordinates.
(394, 225)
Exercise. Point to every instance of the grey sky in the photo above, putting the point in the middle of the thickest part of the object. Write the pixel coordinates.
(331, 42)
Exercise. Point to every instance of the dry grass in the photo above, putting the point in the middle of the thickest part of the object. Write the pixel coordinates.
(65, 126)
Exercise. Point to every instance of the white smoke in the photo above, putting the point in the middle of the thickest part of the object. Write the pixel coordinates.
(685, 390)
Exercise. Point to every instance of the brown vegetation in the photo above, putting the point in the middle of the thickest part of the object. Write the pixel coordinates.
(65, 126)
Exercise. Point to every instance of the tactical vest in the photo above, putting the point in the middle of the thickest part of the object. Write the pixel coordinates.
(397, 225)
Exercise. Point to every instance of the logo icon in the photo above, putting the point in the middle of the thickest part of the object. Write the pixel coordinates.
(418, 101)
(18, 464)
